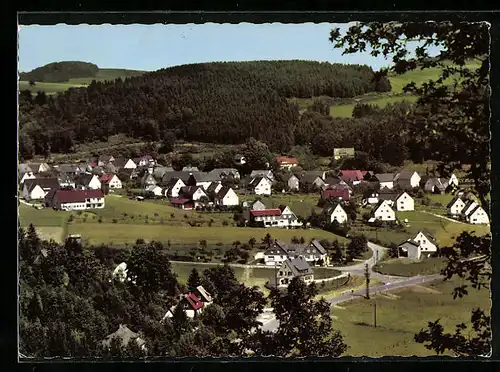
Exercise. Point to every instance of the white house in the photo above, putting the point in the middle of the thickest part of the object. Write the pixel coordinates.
(407, 179)
(226, 196)
(386, 180)
(68, 200)
(470, 205)
(38, 188)
(453, 180)
(336, 213)
(174, 187)
(88, 181)
(478, 216)
(384, 212)
(111, 180)
(404, 202)
(291, 268)
(280, 251)
(261, 185)
(155, 189)
(293, 183)
(455, 206)
(279, 217)
(426, 241)
(26, 176)
(193, 193)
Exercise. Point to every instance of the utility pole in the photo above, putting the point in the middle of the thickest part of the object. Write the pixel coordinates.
(375, 313)
(367, 280)
(376, 256)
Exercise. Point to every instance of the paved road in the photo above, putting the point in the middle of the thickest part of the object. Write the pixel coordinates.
(269, 323)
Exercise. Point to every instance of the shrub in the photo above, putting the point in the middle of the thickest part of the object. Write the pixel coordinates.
(186, 216)
(114, 220)
(99, 220)
(225, 223)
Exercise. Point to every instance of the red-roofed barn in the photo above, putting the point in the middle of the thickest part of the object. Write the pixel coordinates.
(68, 200)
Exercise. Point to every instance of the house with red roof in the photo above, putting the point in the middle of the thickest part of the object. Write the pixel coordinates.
(352, 177)
(182, 203)
(286, 162)
(337, 193)
(193, 303)
(276, 217)
(68, 200)
(110, 181)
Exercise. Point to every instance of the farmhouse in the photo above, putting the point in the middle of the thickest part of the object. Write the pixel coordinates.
(279, 217)
(292, 182)
(292, 268)
(261, 185)
(404, 202)
(111, 180)
(389, 195)
(371, 197)
(194, 193)
(87, 181)
(280, 251)
(173, 187)
(455, 206)
(155, 189)
(386, 180)
(222, 173)
(193, 303)
(37, 188)
(26, 176)
(213, 189)
(227, 197)
(124, 163)
(182, 203)
(262, 173)
(407, 179)
(286, 162)
(335, 213)
(333, 192)
(384, 212)
(39, 167)
(427, 242)
(352, 177)
(477, 216)
(343, 153)
(256, 205)
(311, 180)
(68, 200)
(147, 180)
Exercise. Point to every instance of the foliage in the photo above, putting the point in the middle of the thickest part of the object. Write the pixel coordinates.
(58, 72)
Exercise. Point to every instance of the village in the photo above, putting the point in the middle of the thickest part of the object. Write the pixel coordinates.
(346, 199)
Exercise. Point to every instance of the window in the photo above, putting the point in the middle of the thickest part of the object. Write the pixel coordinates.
(281, 273)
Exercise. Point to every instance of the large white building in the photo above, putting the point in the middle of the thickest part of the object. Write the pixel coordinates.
(68, 200)
(384, 212)
(279, 217)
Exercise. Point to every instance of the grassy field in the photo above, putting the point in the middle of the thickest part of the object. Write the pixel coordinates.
(104, 74)
(400, 315)
(345, 110)
(300, 204)
(403, 267)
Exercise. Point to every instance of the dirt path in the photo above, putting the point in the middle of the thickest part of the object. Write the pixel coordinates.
(444, 218)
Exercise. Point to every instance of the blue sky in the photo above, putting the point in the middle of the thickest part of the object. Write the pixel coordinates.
(151, 47)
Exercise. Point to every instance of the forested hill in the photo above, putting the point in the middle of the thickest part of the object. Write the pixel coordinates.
(58, 72)
(213, 102)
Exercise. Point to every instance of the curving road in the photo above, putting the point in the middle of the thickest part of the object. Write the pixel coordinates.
(269, 322)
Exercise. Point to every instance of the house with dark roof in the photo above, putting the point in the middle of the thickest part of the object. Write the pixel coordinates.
(222, 173)
(261, 185)
(190, 169)
(255, 205)
(404, 202)
(263, 173)
(455, 206)
(477, 216)
(407, 180)
(226, 197)
(310, 180)
(411, 248)
(293, 268)
(124, 163)
(147, 180)
(38, 188)
(68, 200)
(292, 182)
(386, 180)
(173, 187)
(334, 212)
(194, 193)
(124, 335)
(427, 242)
(436, 185)
(182, 203)
(87, 181)
(110, 181)
(383, 211)
(39, 167)
(279, 251)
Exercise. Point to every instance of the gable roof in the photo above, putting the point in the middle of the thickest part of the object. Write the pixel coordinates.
(410, 242)
(310, 178)
(262, 172)
(351, 175)
(265, 212)
(277, 248)
(105, 158)
(401, 194)
(379, 204)
(124, 334)
(404, 175)
(74, 196)
(318, 246)
(453, 201)
(219, 172)
(188, 191)
(299, 266)
(173, 181)
(24, 168)
(84, 179)
(428, 236)
(106, 178)
(286, 160)
(205, 296)
(385, 177)
(258, 179)
(44, 183)
(475, 209)
(180, 201)
(223, 191)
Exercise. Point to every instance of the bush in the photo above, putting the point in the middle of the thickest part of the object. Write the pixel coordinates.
(114, 220)
(99, 220)
(225, 223)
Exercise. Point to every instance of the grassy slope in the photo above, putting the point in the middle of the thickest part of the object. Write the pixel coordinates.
(130, 224)
(403, 267)
(400, 318)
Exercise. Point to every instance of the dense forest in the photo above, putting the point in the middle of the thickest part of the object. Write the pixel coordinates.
(211, 102)
(69, 302)
(59, 72)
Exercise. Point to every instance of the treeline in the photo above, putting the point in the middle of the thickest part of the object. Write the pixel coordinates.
(69, 303)
(59, 72)
(212, 102)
